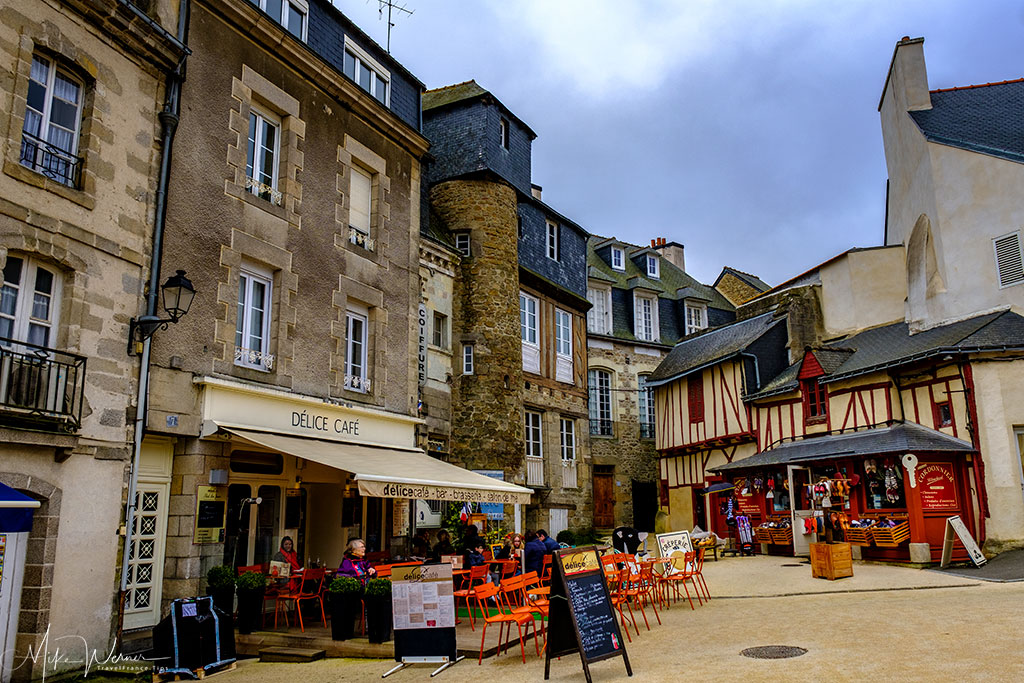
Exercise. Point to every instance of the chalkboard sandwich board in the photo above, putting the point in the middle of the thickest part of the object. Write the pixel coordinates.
(581, 617)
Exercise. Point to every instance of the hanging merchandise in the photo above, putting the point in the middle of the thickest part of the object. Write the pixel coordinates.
(892, 484)
(730, 515)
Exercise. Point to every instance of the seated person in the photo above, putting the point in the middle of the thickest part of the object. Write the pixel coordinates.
(475, 554)
(421, 543)
(533, 553)
(354, 563)
(549, 543)
(287, 554)
(512, 548)
(443, 546)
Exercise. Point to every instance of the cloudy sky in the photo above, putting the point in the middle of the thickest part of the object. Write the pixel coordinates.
(747, 131)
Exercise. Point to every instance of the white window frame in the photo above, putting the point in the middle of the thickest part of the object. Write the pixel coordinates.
(253, 183)
(552, 243)
(503, 132)
(258, 359)
(528, 311)
(359, 232)
(43, 158)
(1009, 254)
(645, 400)
(24, 292)
(653, 266)
(462, 244)
(357, 381)
(533, 434)
(618, 259)
(563, 333)
(640, 320)
(439, 330)
(468, 359)
(599, 394)
(599, 316)
(567, 439)
(701, 313)
(363, 60)
(286, 10)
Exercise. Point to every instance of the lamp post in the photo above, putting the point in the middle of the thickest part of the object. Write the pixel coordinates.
(178, 294)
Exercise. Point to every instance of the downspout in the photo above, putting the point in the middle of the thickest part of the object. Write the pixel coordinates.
(168, 124)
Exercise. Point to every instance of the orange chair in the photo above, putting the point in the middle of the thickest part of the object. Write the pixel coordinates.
(614, 578)
(698, 571)
(504, 616)
(545, 571)
(477, 576)
(309, 589)
(681, 572)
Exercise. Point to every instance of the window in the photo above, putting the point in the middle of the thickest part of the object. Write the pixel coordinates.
(53, 114)
(695, 318)
(519, 221)
(366, 72)
(815, 400)
(646, 323)
(29, 302)
(252, 326)
(261, 161)
(1009, 260)
(599, 315)
(468, 359)
(599, 385)
(360, 207)
(645, 402)
(942, 413)
(440, 330)
(534, 448)
(695, 396)
(552, 240)
(355, 351)
(528, 318)
(618, 259)
(568, 439)
(503, 129)
(652, 266)
(563, 346)
(462, 243)
(289, 13)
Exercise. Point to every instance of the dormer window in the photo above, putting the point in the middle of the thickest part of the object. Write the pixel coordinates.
(815, 400)
(366, 72)
(652, 267)
(503, 128)
(552, 240)
(291, 14)
(618, 259)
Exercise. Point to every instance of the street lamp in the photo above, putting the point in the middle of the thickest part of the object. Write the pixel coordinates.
(178, 293)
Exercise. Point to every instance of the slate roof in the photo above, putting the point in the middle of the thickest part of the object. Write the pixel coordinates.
(465, 92)
(712, 346)
(782, 383)
(901, 437)
(985, 119)
(752, 280)
(891, 345)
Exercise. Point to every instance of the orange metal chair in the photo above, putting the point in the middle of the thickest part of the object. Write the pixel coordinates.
(681, 572)
(504, 616)
(309, 589)
(614, 578)
(698, 571)
(477, 576)
(545, 571)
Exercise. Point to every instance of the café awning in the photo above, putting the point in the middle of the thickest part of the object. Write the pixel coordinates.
(393, 472)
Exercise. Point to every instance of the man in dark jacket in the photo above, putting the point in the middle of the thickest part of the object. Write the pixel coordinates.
(549, 543)
(533, 553)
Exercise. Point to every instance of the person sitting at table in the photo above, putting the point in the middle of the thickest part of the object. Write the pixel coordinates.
(354, 563)
(421, 543)
(533, 553)
(287, 554)
(444, 545)
(475, 554)
(550, 544)
(512, 548)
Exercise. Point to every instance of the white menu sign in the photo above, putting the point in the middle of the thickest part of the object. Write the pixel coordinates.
(421, 597)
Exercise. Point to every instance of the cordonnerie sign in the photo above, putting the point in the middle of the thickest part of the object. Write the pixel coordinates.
(453, 492)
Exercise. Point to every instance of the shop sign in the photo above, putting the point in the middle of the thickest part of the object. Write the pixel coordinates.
(421, 356)
(211, 511)
(452, 493)
(582, 561)
(937, 486)
(747, 505)
(494, 511)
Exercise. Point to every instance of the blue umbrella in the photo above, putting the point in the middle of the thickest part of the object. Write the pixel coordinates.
(715, 488)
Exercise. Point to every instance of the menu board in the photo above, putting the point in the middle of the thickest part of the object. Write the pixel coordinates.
(581, 617)
(937, 486)
(421, 597)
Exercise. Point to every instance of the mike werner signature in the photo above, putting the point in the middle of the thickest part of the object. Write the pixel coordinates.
(56, 658)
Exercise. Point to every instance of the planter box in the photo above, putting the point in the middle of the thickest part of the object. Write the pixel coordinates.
(893, 537)
(831, 561)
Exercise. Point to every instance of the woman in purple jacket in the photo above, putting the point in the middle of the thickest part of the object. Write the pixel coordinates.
(354, 563)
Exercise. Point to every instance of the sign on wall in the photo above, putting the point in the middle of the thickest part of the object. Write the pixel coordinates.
(937, 486)
(421, 355)
(211, 511)
(494, 511)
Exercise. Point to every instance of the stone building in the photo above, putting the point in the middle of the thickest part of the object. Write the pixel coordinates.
(519, 382)
(643, 302)
(83, 82)
(738, 287)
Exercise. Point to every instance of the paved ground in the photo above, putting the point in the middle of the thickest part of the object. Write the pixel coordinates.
(883, 623)
(1008, 566)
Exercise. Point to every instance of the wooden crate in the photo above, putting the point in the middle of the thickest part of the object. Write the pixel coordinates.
(860, 537)
(762, 535)
(831, 561)
(891, 537)
(782, 536)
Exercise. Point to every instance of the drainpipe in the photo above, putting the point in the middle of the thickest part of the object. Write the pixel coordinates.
(168, 124)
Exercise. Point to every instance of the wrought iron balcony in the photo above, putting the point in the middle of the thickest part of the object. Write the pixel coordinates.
(42, 386)
(646, 430)
(50, 160)
(601, 428)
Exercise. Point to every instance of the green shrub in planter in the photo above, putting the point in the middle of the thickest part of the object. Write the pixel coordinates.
(344, 596)
(251, 587)
(567, 537)
(220, 582)
(345, 584)
(378, 610)
(250, 581)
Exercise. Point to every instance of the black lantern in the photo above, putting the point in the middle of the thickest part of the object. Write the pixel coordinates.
(178, 294)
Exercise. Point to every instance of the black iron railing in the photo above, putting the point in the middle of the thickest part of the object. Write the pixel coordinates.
(601, 427)
(53, 162)
(41, 385)
(646, 430)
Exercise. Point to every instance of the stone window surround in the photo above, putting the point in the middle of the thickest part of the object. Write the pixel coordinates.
(54, 45)
(611, 400)
(354, 153)
(253, 90)
(362, 296)
(244, 252)
(655, 322)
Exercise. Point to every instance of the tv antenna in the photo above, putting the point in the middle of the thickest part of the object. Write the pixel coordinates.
(392, 7)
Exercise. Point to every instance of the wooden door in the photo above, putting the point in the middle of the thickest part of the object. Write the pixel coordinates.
(604, 502)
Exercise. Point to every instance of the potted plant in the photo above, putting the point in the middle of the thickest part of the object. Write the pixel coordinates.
(378, 610)
(220, 585)
(567, 537)
(251, 587)
(344, 595)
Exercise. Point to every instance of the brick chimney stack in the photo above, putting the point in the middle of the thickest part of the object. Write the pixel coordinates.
(670, 251)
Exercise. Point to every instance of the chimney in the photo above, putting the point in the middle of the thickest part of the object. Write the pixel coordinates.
(908, 78)
(670, 251)
(535, 190)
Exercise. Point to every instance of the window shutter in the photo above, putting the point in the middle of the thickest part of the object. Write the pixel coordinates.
(359, 213)
(1009, 263)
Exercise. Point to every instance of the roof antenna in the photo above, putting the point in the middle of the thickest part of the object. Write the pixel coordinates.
(381, 4)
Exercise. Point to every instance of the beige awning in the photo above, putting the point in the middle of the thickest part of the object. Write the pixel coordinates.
(392, 472)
